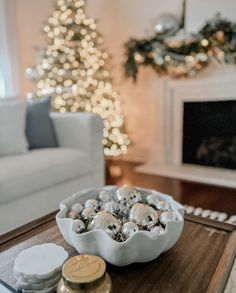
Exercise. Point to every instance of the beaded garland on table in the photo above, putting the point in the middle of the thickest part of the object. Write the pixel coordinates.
(122, 213)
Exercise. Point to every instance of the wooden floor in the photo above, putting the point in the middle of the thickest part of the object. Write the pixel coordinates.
(194, 194)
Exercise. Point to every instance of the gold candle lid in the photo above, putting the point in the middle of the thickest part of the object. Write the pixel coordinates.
(83, 271)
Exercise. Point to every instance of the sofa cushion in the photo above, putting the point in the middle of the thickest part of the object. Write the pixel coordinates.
(12, 128)
(39, 169)
(39, 126)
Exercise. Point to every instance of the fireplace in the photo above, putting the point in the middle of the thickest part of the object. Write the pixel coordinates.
(209, 133)
(197, 136)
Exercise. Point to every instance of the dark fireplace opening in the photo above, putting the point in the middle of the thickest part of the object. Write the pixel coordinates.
(209, 134)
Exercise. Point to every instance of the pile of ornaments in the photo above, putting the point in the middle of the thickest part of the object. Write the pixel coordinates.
(122, 213)
(38, 268)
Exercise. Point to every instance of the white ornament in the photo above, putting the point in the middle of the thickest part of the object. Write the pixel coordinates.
(40, 261)
(111, 207)
(128, 195)
(79, 226)
(106, 221)
(104, 196)
(129, 228)
(88, 213)
(162, 205)
(91, 203)
(152, 200)
(77, 207)
(157, 230)
(168, 216)
(143, 215)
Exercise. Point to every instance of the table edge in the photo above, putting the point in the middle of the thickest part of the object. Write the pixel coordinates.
(220, 277)
(27, 227)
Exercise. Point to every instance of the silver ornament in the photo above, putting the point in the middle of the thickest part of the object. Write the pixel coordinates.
(152, 200)
(128, 195)
(157, 230)
(168, 216)
(91, 203)
(162, 205)
(111, 207)
(128, 229)
(104, 196)
(77, 207)
(143, 215)
(79, 226)
(73, 215)
(88, 213)
(166, 24)
(106, 221)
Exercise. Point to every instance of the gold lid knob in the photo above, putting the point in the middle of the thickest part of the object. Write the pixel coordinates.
(83, 271)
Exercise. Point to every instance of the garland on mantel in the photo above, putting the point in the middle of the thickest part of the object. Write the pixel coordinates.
(176, 57)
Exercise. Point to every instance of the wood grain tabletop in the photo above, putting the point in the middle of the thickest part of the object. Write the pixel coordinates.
(200, 261)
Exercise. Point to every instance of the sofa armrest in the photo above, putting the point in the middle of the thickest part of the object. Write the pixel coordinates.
(83, 131)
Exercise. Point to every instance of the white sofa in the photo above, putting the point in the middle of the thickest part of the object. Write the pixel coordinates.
(33, 184)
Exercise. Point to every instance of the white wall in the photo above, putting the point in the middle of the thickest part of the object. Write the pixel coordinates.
(118, 20)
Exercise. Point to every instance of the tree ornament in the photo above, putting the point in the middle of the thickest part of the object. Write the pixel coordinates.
(111, 207)
(77, 207)
(157, 230)
(88, 214)
(166, 24)
(153, 200)
(104, 196)
(79, 226)
(128, 229)
(91, 203)
(143, 215)
(105, 221)
(128, 195)
(168, 216)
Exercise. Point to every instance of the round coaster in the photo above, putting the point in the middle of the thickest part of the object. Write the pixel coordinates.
(21, 284)
(40, 261)
(39, 281)
(49, 290)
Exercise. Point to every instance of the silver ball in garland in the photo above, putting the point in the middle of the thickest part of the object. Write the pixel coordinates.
(143, 215)
(105, 221)
(166, 24)
(128, 229)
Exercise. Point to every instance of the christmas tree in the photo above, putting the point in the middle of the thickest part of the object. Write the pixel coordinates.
(72, 70)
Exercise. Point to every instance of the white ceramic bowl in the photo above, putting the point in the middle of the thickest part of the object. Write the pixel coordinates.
(142, 246)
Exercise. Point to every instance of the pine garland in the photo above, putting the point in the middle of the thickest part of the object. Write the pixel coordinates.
(215, 41)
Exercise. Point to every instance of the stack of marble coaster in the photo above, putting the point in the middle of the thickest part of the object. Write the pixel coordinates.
(38, 268)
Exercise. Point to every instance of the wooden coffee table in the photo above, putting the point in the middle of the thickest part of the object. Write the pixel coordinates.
(199, 262)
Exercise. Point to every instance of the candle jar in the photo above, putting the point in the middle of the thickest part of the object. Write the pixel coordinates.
(85, 274)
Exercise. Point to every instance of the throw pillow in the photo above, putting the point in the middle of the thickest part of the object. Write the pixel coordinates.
(39, 127)
(12, 128)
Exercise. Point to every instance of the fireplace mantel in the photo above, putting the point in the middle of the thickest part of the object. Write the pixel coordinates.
(220, 85)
